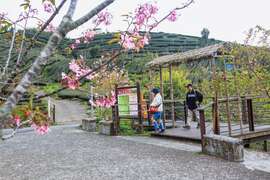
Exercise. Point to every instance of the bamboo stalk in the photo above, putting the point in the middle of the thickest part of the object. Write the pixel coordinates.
(228, 113)
(172, 95)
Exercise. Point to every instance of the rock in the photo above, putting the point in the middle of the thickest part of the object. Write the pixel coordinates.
(228, 148)
(89, 124)
(106, 128)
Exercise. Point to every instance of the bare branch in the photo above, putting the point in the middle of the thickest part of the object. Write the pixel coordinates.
(10, 50)
(23, 38)
(91, 14)
(15, 130)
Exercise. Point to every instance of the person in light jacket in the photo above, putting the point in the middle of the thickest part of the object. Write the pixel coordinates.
(157, 116)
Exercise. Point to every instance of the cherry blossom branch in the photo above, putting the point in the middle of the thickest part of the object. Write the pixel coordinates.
(14, 73)
(176, 9)
(11, 135)
(119, 52)
(81, 78)
(36, 68)
(91, 14)
(42, 59)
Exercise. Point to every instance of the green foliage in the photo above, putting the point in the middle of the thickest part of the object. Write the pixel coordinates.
(180, 80)
(51, 87)
(103, 113)
(69, 93)
(136, 65)
(26, 4)
(5, 26)
(125, 128)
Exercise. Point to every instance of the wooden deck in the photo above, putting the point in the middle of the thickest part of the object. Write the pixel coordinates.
(193, 134)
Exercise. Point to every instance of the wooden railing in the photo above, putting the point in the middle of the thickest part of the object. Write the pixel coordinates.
(252, 110)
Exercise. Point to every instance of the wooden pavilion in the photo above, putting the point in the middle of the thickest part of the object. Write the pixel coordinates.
(244, 128)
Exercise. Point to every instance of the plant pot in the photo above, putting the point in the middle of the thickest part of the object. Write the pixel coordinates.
(106, 128)
(89, 124)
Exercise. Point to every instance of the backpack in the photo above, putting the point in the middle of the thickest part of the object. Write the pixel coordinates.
(199, 96)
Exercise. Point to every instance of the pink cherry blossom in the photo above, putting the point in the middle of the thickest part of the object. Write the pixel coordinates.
(77, 41)
(3, 15)
(41, 130)
(73, 66)
(127, 41)
(72, 46)
(17, 120)
(144, 12)
(142, 41)
(105, 101)
(48, 7)
(133, 41)
(80, 71)
(103, 17)
(69, 82)
(89, 36)
(173, 16)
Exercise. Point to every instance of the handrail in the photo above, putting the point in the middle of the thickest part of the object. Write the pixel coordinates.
(205, 106)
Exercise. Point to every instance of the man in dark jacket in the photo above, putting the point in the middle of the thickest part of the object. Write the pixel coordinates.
(193, 101)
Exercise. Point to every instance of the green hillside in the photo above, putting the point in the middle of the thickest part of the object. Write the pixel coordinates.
(160, 44)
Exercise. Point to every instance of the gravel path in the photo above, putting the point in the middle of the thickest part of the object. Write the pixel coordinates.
(68, 111)
(70, 153)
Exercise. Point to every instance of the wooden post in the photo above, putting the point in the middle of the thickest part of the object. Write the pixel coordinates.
(150, 74)
(216, 117)
(54, 111)
(202, 126)
(162, 94)
(172, 96)
(139, 107)
(117, 119)
(250, 115)
(151, 86)
(148, 115)
(216, 126)
(114, 133)
(265, 148)
(185, 112)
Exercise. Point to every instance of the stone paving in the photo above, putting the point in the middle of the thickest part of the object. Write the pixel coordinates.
(70, 153)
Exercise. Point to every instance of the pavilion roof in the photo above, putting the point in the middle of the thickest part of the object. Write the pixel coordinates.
(188, 56)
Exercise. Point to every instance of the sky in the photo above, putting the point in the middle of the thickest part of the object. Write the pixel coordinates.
(227, 20)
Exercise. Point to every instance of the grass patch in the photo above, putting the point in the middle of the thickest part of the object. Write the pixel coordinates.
(127, 130)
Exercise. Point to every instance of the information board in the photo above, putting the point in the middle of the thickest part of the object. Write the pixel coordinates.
(128, 102)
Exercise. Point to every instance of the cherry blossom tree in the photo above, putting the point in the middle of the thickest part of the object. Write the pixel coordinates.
(140, 23)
